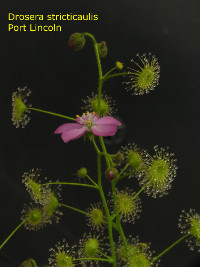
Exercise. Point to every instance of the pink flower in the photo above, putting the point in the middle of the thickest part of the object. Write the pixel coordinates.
(105, 126)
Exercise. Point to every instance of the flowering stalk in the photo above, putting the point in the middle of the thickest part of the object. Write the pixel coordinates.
(109, 221)
(118, 222)
(170, 247)
(99, 67)
(104, 150)
(99, 87)
(13, 232)
(106, 211)
(109, 157)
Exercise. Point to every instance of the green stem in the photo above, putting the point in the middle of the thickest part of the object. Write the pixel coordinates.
(99, 68)
(107, 155)
(106, 211)
(1, 246)
(105, 255)
(72, 208)
(140, 191)
(123, 170)
(118, 222)
(76, 184)
(93, 259)
(109, 72)
(95, 146)
(104, 150)
(123, 176)
(170, 247)
(52, 113)
(91, 180)
(116, 75)
(103, 153)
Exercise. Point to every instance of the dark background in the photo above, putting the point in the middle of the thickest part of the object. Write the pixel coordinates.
(60, 78)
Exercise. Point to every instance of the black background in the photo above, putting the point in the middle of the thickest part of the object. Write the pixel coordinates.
(60, 78)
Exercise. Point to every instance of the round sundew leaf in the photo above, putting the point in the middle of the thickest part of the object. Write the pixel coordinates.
(91, 247)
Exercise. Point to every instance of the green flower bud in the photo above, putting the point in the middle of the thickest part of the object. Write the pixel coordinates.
(119, 65)
(107, 104)
(76, 41)
(103, 106)
(111, 173)
(82, 172)
(102, 48)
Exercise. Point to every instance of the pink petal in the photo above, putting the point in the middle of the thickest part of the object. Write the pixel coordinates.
(79, 120)
(104, 129)
(66, 127)
(108, 120)
(74, 133)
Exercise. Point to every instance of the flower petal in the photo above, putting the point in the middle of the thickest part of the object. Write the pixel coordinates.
(108, 120)
(67, 127)
(104, 129)
(74, 133)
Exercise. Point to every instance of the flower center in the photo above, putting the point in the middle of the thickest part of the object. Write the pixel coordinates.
(88, 119)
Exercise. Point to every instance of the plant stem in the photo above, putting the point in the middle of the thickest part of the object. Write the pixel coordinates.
(170, 247)
(99, 68)
(109, 72)
(107, 155)
(106, 210)
(116, 74)
(118, 222)
(123, 176)
(123, 170)
(105, 255)
(139, 191)
(6, 240)
(72, 208)
(95, 146)
(104, 150)
(76, 184)
(52, 113)
(91, 180)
